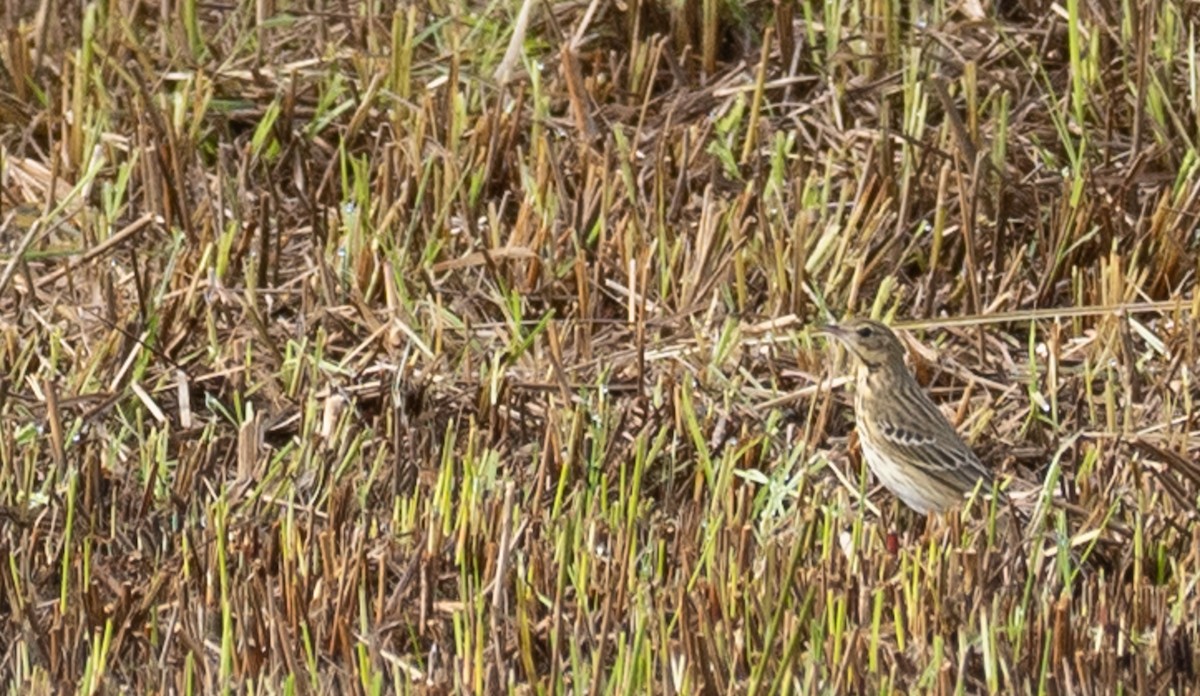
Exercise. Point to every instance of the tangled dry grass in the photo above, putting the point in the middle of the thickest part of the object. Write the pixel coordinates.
(450, 346)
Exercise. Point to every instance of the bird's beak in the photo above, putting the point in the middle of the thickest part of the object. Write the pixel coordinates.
(832, 330)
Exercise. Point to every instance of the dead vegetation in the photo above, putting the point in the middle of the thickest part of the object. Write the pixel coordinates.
(383, 348)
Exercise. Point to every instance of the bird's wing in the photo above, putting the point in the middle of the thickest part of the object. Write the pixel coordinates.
(939, 451)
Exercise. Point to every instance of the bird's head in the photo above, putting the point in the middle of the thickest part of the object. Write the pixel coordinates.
(872, 343)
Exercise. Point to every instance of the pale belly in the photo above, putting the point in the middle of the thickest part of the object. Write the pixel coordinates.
(919, 493)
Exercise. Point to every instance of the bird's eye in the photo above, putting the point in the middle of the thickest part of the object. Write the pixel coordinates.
(865, 332)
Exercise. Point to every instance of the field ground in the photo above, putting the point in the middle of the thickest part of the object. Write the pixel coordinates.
(450, 346)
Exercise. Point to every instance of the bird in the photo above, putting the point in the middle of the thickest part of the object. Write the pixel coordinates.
(908, 444)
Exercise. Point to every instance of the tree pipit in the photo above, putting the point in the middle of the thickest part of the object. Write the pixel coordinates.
(909, 445)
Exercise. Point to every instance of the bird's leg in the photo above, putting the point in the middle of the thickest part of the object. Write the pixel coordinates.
(901, 527)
